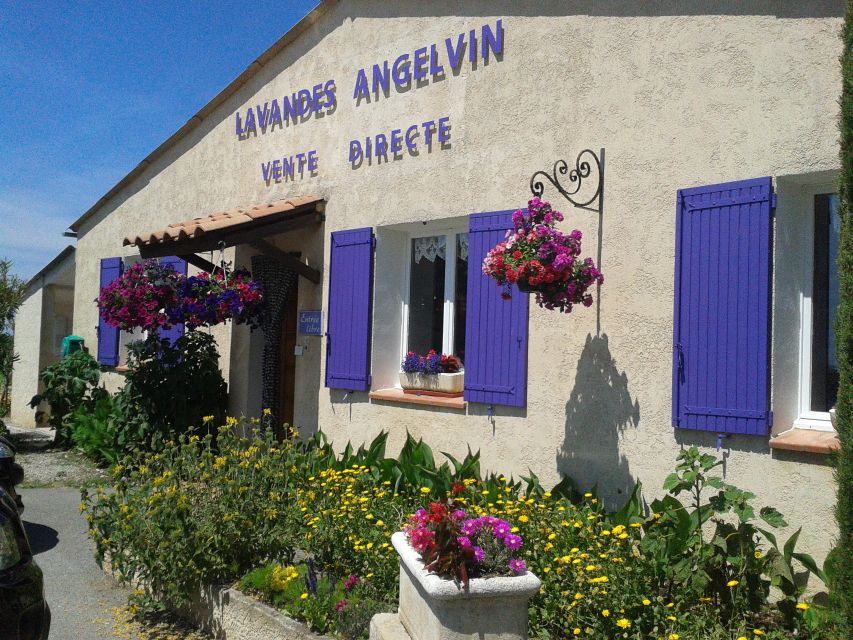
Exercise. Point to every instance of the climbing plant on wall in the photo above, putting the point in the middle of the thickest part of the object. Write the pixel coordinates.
(842, 581)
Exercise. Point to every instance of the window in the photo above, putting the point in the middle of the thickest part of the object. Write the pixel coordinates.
(437, 286)
(824, 365)
(818, 363)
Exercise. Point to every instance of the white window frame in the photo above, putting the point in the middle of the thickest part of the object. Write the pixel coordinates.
(808, 419)
(449, 287)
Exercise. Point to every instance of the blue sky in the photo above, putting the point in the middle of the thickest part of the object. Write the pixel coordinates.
(88, 89)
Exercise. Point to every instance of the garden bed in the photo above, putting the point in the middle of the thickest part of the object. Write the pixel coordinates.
(205, 513)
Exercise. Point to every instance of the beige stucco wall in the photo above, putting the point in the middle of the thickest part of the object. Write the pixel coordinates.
(692, 97)
(42, 320)
(26, 370)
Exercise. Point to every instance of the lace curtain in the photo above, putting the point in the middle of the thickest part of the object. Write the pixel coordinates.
(436, 246)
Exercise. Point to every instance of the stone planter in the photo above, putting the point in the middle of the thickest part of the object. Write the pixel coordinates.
(434, 608)
(443, 383)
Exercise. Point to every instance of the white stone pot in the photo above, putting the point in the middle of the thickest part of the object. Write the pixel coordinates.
(434, 608)
(439, 382)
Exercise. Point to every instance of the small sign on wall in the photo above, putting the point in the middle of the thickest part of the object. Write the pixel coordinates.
(311, 323)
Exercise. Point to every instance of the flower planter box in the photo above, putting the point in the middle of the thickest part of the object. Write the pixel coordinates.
(434, 608)
(445, 384)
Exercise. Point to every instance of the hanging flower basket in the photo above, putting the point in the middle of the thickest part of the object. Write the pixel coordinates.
(538, 258)
(207, 300)
(151, 296)
(141, 297)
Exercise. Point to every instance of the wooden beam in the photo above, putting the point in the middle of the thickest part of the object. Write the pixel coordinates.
(198, 261)
(287, 260)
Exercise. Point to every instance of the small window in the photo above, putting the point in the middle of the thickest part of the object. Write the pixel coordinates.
(825, 290)
(438, 273)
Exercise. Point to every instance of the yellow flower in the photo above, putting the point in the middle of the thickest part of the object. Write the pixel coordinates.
(605, 612)
(732, 583)
(758, 632)
(424, 489)
(622, 623)
(674, 636)
(304, 596)
(546, 569)
(82, 507)
(587, 495)
(600, 579)
(757, 554)
(802, 606)
(552, 536)
(207, 419)
(576, 631)
(646, 602)
(523, 519)
(741, 638)
(671, 618)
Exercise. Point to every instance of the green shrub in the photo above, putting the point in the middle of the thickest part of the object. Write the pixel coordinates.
(842, 585)
(68, 384)
(170, 390)
(95, 427)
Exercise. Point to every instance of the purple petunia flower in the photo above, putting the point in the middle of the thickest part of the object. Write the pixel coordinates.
(459, 514)
(518, 566)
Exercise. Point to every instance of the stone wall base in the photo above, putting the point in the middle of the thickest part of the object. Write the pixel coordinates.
(387, 626)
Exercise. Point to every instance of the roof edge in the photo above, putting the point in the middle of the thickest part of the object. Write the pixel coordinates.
(295, 31)
(50, 266)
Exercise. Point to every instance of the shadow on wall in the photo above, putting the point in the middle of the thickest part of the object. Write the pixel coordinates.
(599, 409)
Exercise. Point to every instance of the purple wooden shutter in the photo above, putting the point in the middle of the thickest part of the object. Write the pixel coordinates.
(495, 329)
(177, 330)
(107, 335)
(721, 344)
(350, 307)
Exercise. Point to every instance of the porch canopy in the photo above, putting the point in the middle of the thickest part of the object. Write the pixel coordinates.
(244, 225)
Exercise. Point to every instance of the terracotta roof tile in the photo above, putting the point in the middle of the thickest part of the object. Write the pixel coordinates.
(233, 218)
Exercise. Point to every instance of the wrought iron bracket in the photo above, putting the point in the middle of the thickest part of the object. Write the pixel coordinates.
(587, 165)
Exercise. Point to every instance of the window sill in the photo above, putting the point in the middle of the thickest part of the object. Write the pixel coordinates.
(806, 440)
(397, 395)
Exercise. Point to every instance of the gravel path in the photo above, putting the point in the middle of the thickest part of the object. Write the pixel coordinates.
(81, 597)
(85, 604)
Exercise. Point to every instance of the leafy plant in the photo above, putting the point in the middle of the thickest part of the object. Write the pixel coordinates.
(68, 384)
(170, 390)
(726, 566)
(94, 428)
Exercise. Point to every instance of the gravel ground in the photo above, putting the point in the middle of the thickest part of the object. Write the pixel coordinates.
(55, 468)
